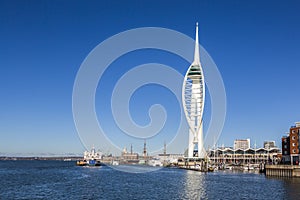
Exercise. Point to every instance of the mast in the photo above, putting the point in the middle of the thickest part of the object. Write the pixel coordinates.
(145, 149)
(165, 148)
(196, 53)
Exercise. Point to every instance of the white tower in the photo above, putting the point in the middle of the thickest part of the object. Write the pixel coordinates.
(193, 95)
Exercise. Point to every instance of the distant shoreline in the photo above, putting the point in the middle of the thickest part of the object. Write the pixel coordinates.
(61, 158)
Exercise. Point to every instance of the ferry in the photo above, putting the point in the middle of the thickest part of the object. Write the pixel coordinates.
(90, 158)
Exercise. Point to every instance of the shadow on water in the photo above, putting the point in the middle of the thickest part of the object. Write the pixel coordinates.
(290, 186)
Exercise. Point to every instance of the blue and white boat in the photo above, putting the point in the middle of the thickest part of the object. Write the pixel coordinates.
(91, 158)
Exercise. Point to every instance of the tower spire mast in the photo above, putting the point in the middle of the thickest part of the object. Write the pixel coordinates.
(196, 53)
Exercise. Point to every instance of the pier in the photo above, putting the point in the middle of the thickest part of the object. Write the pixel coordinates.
(196, 164)
(283, 170)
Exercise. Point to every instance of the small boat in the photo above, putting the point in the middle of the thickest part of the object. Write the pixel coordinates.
(81, 163)
(115, 162)
(155, 163)
(211, 169)
(228, 167)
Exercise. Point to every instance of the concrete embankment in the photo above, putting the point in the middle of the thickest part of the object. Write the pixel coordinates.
(283, 170)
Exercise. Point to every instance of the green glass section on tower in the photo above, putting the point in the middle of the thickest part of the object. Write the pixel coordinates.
(194, 70)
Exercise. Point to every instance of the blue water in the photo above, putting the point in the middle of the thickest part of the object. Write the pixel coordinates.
(64, 180)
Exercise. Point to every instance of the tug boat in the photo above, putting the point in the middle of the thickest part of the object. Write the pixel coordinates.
(81, 163)
(90, 158)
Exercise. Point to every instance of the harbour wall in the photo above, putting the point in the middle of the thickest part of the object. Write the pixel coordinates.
(283, 170)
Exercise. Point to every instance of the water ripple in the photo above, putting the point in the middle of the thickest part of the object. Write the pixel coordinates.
(64, 180)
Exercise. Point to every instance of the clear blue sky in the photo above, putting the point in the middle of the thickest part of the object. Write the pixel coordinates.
(255, 44)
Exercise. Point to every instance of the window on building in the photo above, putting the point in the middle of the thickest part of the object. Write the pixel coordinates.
(285, 146)
(285, 152)
(293, 138)
(294, 150)
(294, 144)
(293, 131)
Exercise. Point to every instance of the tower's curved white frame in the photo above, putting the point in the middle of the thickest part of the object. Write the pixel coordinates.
(193, 96)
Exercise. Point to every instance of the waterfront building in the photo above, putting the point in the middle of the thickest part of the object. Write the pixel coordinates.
(285, 141)
(241, 144)
(193, 96)
(168, 159)
(269, 144)
(129, 157)
(238, 156)
(290, 145)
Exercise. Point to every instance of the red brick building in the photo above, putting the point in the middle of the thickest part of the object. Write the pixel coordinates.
(291, 145)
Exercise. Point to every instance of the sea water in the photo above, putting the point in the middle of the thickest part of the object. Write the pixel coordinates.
(64, 180)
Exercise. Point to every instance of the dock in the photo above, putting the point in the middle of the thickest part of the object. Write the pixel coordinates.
(283, 170)
(195, 164)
